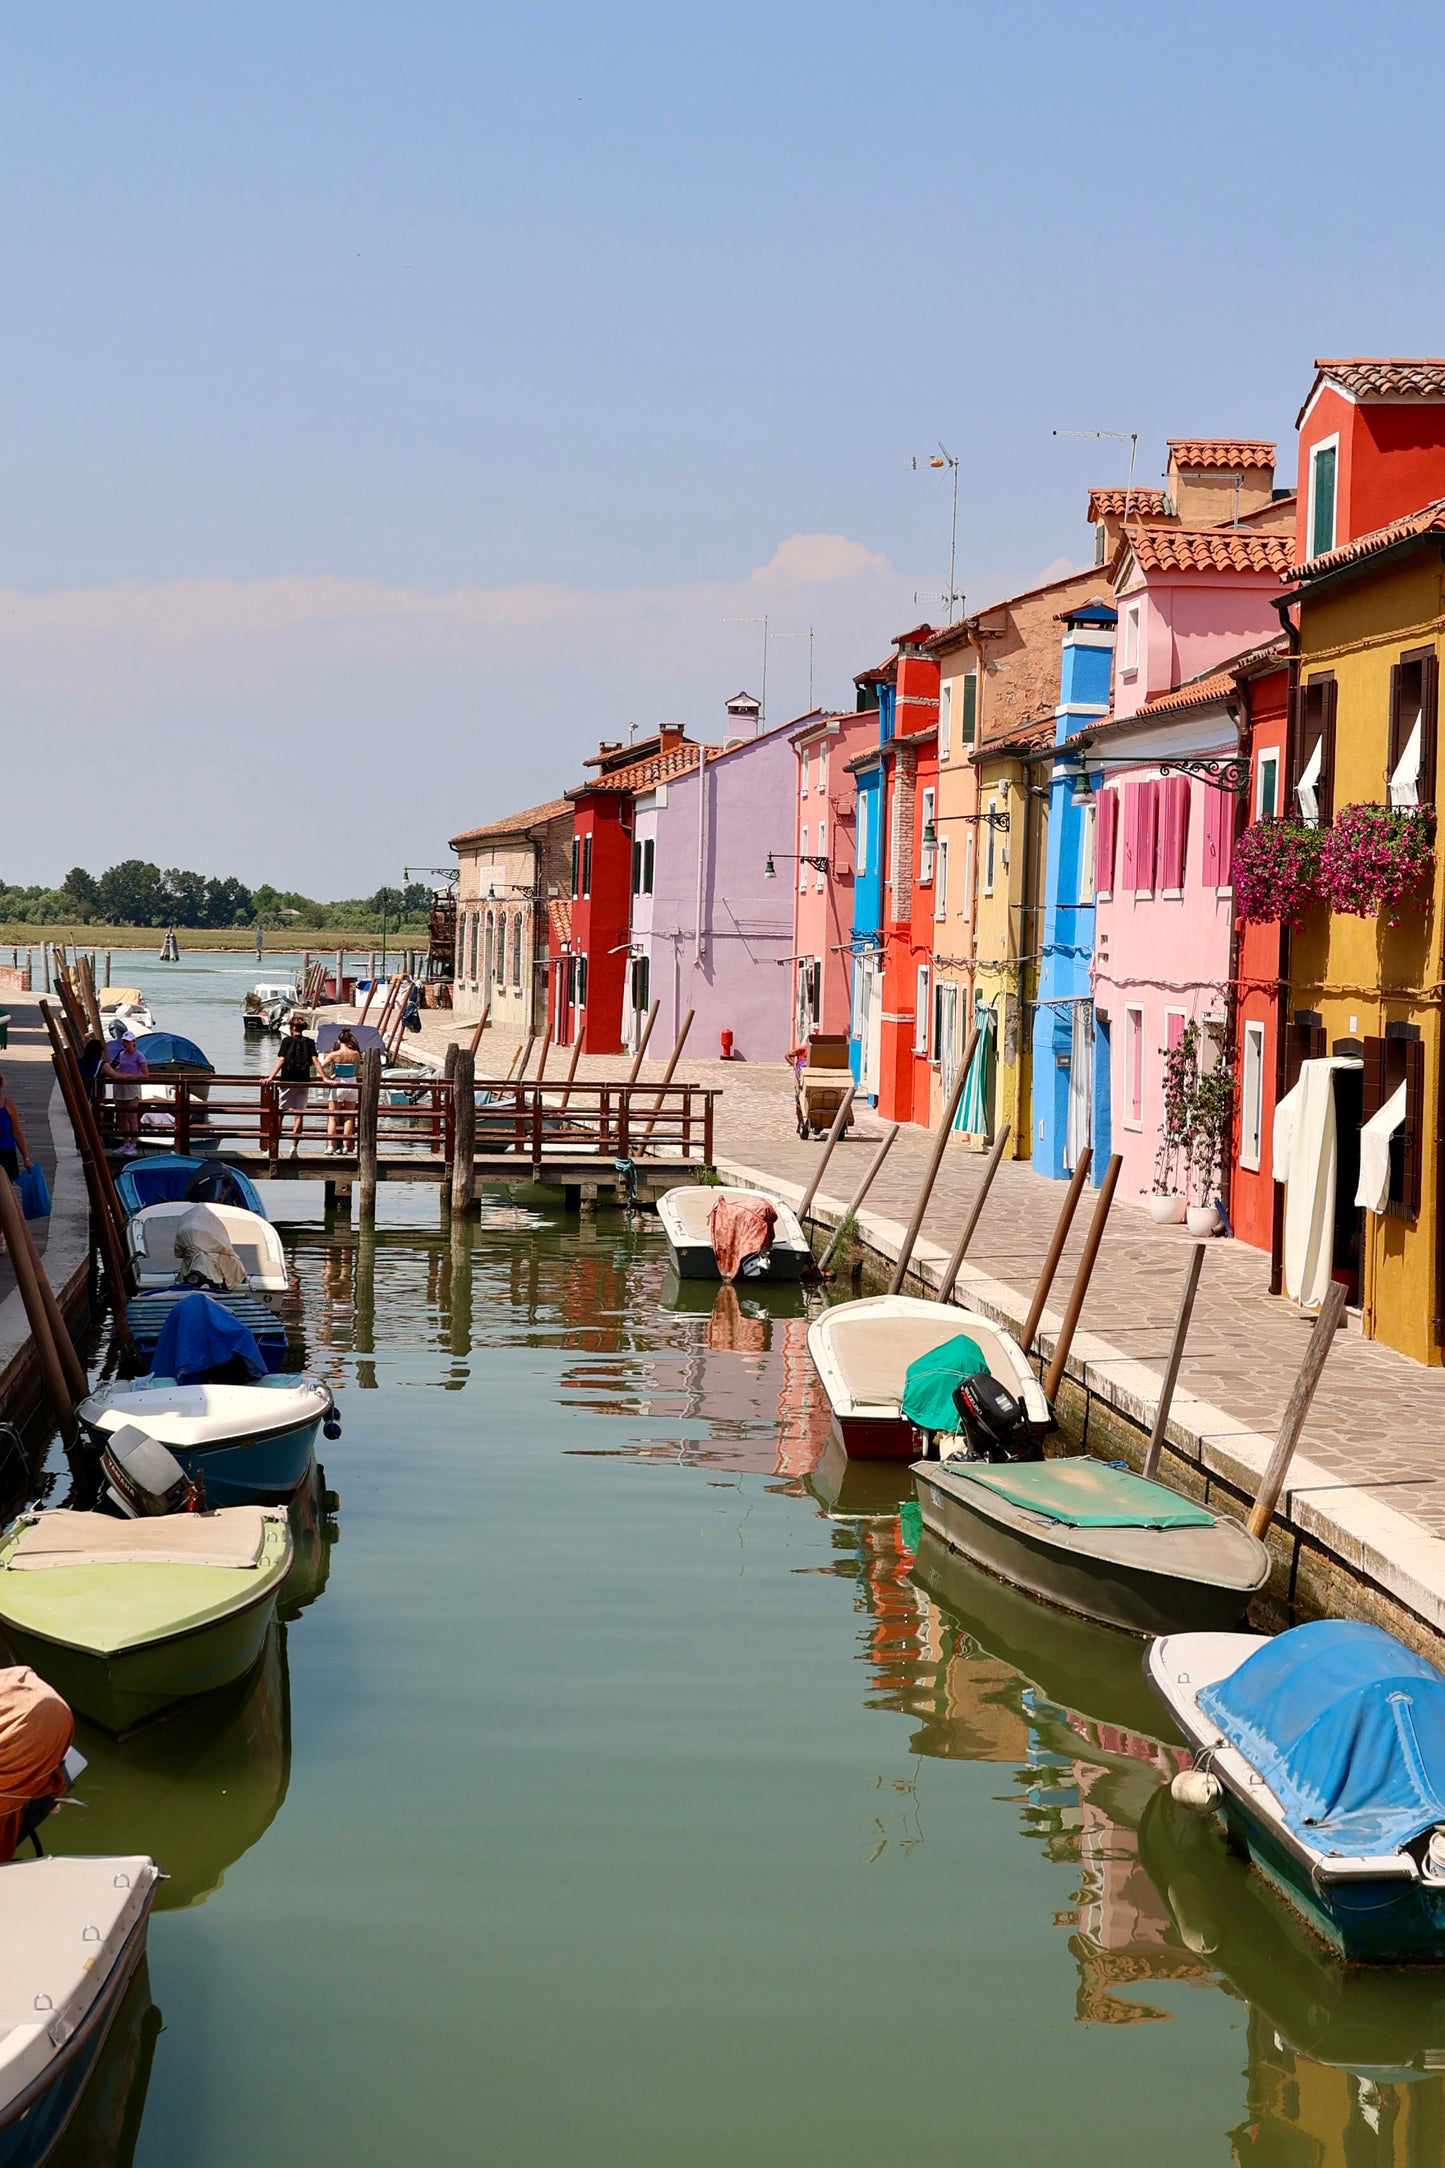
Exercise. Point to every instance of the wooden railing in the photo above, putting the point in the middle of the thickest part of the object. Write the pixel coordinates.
(248, 1115)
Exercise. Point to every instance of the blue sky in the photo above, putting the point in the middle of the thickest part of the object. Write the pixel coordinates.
(399, 398)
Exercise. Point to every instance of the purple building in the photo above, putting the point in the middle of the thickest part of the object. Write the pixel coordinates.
(711, 929)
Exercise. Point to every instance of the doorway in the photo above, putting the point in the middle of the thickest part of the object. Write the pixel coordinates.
(1349, 1234)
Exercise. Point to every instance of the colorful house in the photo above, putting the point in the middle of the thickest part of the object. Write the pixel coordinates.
(823, 866)
(865, 769)
(1255, 1200)
(1068, 1110)
(908, 730)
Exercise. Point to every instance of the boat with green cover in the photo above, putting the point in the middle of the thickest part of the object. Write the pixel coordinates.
(125, 1618)
(1096, 1540)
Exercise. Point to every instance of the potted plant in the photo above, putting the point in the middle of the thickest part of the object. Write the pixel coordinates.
(1377, 860)
(1169, 1202)
(1276, 871)
(1211, 1107)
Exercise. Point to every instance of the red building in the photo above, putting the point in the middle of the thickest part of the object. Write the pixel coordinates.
(590, 937)
(1261, 959)
(908, 711)
(1371, 448)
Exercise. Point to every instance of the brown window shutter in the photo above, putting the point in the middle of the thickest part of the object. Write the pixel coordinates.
(1372, 1095)
(1329, 704)
(1429, 722)
(1392, 761)
(1414, 1124)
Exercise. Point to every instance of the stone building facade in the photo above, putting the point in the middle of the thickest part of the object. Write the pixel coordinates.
(507, 873)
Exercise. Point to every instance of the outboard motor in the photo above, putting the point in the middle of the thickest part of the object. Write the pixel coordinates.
(143, 1478)
(213, 1183)
(995, 1424)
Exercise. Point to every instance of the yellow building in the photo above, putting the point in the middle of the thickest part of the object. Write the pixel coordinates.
(1361, 1051)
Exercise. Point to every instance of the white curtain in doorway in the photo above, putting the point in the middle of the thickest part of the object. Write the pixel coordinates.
(1306, 1160)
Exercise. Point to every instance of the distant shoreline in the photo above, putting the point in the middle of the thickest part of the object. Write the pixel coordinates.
(221, 940)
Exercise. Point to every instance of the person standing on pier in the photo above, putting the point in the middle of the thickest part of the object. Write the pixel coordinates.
(14, 1152)
(297, 1065)
(341, 1065)
(125, 1069)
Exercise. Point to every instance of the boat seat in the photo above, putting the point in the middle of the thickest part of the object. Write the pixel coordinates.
(231, 1538)
(875, 1353)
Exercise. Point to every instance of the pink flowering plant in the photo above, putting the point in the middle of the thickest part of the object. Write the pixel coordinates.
(1277, 871)
(1378, 861)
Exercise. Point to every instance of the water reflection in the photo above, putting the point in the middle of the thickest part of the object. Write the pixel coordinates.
(107, 2120)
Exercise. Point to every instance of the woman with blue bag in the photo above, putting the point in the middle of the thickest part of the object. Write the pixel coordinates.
(14, 1151)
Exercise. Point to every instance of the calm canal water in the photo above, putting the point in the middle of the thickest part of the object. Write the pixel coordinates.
(622, 1790)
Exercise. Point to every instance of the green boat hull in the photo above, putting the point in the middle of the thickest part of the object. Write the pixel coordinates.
(120, 1690)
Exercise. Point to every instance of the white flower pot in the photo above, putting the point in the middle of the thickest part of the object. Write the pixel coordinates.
(1202, 1219)
(1166, 1211)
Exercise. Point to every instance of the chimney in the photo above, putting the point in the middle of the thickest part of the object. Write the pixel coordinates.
(744, 715)
(669, 737)
(1215, 480)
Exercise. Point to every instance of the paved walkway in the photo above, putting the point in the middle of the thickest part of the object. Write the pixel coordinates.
(1378, 1421)
(29, 1079)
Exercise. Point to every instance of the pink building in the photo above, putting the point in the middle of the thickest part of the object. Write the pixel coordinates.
(826, 825)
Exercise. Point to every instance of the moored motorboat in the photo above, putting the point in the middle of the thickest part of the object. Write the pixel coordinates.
(166, 1241)
(175, 1178)
(72, 1936)
(687, 1221)
(862, 1352)
(126, 1617)
(125, 1005)
(248, 1444)
(1325, 1750)
(1096, 1540)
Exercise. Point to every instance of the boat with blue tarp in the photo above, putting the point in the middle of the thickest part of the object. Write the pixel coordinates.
(149, 1315)
(176, 1178)
(1325, 1750)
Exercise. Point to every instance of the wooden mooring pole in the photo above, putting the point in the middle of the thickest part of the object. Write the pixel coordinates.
(840, 1123)
(368, 1108)
(481, 1027)
(1322, 1339)
(672, 1061)
(855, 1203)
(955, 1263)
(22, 1259)
(1087, 1260)
(1056, 1247)
(935, 1161)
(464, 1134)
(1176, 1356)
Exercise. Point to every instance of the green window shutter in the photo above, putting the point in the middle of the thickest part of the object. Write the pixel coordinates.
(970, 707)
(1322, 530)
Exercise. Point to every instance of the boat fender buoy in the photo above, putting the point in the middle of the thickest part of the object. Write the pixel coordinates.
(1198, 1790)
(331, 1428)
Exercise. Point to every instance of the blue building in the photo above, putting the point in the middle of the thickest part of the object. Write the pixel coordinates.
(867, 770)
(1071, 1045)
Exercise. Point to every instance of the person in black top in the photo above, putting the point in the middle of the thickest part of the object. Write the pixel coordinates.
(297, 1064)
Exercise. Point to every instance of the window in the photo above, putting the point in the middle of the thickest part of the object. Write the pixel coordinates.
(940, 879)
(1266, 786)
(641, 989)
(1131, 636)
(920, 1012)
(990, 849)
(1107, 816)
(968, 723)
(1414, 700)
(1251, 1101)
(587, 863)
(1395, 1069)
(1134, 1068)
(1324, 460)
(576, 862)
(926, 849)
(501, 948)
(1101, 541)
(945, 718)
(822, 850)
(1314, 749)
(476, 936)
(636, 868)
(579, 982)
(517, 951)
(803, 773)
(803, 862)
(861, 864)
(969, 855)
(1088, 846)
(649, 856)
(491, 943)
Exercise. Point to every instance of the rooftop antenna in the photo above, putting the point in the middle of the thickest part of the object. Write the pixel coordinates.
(1119, 436)
(947, 459)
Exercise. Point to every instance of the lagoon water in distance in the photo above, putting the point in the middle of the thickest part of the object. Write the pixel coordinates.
(621, 1789)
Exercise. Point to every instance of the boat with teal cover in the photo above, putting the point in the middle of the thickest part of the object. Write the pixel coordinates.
(1325, 1750)
(126, 1617)
(1096, 1540)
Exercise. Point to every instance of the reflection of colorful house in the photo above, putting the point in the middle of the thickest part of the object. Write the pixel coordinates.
(827, 820)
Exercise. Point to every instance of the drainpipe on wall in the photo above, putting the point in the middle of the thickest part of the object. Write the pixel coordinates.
(701, 851)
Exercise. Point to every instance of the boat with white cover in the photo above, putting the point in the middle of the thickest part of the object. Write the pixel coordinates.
(1324, 1747)
(163, 1241)
(72, 1933)
(251, 1444)
(686, 1214)
(862, 1352)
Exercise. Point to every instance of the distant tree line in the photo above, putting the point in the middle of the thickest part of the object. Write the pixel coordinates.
(136, 893)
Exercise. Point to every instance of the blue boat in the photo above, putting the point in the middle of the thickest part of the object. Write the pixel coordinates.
(146, 1315)
(251, 1444)
(172, 1178)
(1325, 1750)
(168, 1051)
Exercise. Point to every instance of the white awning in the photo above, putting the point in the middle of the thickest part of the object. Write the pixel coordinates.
(1374, 1183)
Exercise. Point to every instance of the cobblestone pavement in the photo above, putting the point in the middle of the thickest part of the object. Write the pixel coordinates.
(1378, 1421)
(25, 1066)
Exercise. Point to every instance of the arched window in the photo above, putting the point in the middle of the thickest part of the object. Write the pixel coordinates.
(501, 948)
(517, 952)
(491, 942)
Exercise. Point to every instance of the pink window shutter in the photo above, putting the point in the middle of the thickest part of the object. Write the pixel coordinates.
(1106, 820)
(1212, 832)
(1128, 878)
(1225, 822)
(1174, 808)
(1147, 847)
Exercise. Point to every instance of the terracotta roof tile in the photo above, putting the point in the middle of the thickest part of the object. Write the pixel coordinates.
(1198, 693)
(515, 824)
(1430, 519)
(1229, 452)
(1207, 549)
(1113, 502)
(643, 774)
(559, 920)
(1381, 376)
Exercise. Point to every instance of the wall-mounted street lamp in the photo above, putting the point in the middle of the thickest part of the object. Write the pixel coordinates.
(992, 819)
(818, 860)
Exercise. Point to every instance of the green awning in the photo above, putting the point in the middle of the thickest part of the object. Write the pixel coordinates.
(1085, 1494)
(928, 1383)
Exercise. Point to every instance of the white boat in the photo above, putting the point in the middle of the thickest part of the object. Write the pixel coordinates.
(252, 1444)
(163, 1239)
(72, 1932)
(862, 1352)
(685, 1214)
(125, 1005)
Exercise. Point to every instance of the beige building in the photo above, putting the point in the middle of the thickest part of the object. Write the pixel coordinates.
(507, 872)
